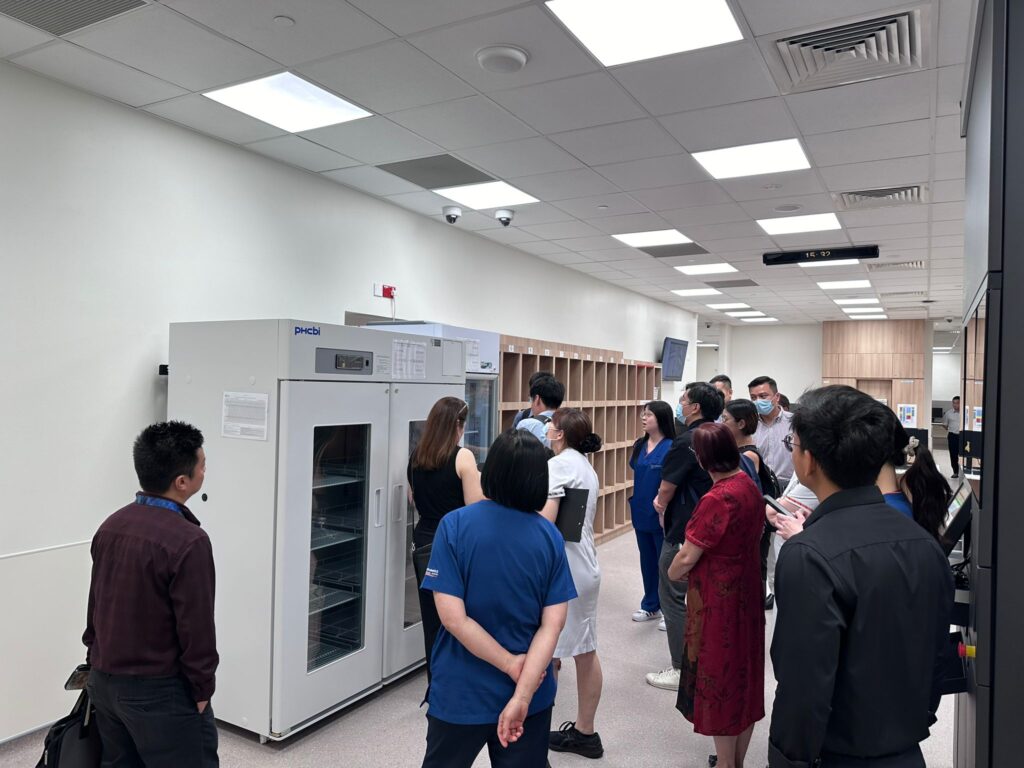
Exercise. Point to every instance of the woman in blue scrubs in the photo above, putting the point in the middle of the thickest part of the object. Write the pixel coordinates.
(646, 460)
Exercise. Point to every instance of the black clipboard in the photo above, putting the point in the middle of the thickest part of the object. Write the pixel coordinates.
(572, 513)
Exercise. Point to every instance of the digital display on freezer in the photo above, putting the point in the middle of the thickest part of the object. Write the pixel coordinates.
(351, 362)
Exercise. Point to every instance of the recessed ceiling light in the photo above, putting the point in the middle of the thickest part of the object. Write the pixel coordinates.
(284, 21)
(489, 194)
(760, 319)
(835, 263)
(862, 310)
(754, 159)
(617, 32)
(746, 313)
(789, 225)
(707, 269)
(869, 317)
(856, 301)
(653, 238)
(941, 349)
(731, 305)
(697, 292)
(715, 346)
(787, 208)
(838, 285)
(289, 102)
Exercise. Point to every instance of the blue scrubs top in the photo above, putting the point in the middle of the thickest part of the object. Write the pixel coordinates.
(646, 479)
(507, 566)
(900, 503)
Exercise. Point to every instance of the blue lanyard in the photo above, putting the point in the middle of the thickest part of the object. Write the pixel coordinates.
(155, 501)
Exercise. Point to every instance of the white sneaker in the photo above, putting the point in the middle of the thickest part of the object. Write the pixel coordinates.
(643, 615)
(667, 679)
(661, 625)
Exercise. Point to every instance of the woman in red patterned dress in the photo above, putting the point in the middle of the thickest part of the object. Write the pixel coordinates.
(721, 690)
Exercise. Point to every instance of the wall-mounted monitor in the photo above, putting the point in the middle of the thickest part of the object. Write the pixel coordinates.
(673, 358)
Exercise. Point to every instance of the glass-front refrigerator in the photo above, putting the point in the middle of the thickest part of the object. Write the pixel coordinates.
(482, 421)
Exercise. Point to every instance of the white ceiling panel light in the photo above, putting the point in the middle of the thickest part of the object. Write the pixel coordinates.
(687, 292)
(754, 159)
(746, 313)
(862, 310)
(706, 345)
(835, 263)
(791, 225)
(707, 269)
(846, 302)
(760, 319)
(489, 194)
(869, 317)
(842, 285)
(729, 305)
(288, 102)
(618, 33)
(653, 238)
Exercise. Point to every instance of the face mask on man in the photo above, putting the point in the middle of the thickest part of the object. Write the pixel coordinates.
(679, 411)
(764, 407)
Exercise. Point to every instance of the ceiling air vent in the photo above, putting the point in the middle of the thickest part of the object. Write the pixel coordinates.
(864, 50)
(903, 295)
(63, 18)
(896, 266)
(877, 198)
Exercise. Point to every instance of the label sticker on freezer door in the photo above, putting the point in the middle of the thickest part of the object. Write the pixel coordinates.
(408, 360)
(244, 415)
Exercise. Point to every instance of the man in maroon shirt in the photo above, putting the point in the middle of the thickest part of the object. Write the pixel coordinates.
(150, 630)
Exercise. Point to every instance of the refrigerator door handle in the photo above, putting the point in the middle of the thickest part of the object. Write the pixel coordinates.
(398, 497)
(380, 520)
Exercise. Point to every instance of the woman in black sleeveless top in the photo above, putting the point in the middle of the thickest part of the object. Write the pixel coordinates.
(442, 477)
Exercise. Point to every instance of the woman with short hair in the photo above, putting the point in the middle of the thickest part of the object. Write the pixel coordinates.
(501, 582)
(721, 689)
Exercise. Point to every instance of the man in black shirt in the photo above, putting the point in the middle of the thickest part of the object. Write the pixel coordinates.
(864, 595)
(683, 482)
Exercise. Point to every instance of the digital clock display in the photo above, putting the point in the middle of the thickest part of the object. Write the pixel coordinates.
(777, 258)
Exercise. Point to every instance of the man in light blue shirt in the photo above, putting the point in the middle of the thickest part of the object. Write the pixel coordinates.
(546, 396)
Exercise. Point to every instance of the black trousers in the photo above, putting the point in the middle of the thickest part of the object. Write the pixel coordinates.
(456, 746)
(151, 722)
(954, 451)
(428, 611)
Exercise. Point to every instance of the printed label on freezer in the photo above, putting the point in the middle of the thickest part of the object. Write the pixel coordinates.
(244, 415)
(408, 360)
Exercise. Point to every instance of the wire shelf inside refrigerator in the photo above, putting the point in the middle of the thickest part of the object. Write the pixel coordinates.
(322, 598)
(342, 570)
(328, 537)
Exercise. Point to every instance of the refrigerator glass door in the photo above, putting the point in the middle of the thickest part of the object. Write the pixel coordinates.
(403, 629)
(331, 516)
(481, 424)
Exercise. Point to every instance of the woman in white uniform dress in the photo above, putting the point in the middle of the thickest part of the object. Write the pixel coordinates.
(571, 436)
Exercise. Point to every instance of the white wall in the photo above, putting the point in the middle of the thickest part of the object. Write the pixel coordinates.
(114, 224)
(790, 354)
(707, 363)
(947, 372)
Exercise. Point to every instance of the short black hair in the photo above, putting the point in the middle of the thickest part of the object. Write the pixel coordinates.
(538, 374)
(745, 411)
(165, 451)
(550, 390)
(721, 378)
(707, 397)
(849, 434)
(956, 397)
(764, 380)
(516, 472)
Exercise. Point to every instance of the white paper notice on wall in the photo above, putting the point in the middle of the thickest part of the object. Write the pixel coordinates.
(472, 353)
(408, 360)
(244, 415)
(908, 415)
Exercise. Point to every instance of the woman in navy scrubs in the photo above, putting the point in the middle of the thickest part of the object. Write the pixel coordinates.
(648, 454)
(502, 584)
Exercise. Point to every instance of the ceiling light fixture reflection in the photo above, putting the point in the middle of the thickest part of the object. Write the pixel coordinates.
(754, 159)
(707, 269)
(730, 305)
(489, 194)
(746, 313)
(842, 302)
(760, 319)
(862, 310)
(792, 225)
(840, 285)
(697, 292)
(289, 102)
(653, 238)
(617, 32)
(836, 263)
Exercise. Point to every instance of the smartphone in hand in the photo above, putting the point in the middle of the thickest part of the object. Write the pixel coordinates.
(78, 678)
(778, 507)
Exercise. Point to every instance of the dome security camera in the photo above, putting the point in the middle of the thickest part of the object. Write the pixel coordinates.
(451, 213)
(505, 216)
(949, 319)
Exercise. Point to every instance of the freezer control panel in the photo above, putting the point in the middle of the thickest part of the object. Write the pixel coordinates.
(347, 361)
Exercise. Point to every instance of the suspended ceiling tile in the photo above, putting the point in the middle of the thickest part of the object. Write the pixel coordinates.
(683, 196)
(372, 140)
(952, 165)
(97, 74)
(372, 180)
(305, 154)
(709, 77)
(615, 254)
(166, 45)
(564, 185)
(652, 172)
(564, 258)
(954, 22)
(947, 241)
(463, 123)
(894, 214)
(408, 17)
(705, 214)
(553, 53)
(729, 230)
(210, 117)
(562, 230)
(749, 122)
(772, 185)
(947, 134)
(436, 172)
(631, 222)
(575, 102)
(765, 208)
(426, 203)
(740, 244)
(948, 191)
(507, 235)
(618, 143)
(545, 248)
(472, 221)
(387, 78)
(598, 206)
(792, 15)
(877, 174)
(895, 99)
(814, 240)
(16, 37)
(877, 142)
(322, 27)
(536, 213)
(524, 157)
(951, 88)
(947, 228)
(890, 231)
(589, 244)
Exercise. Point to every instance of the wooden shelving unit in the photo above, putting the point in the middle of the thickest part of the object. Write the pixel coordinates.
(611, 389)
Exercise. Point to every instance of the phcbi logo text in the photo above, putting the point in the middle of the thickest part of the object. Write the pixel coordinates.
(311, 331)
